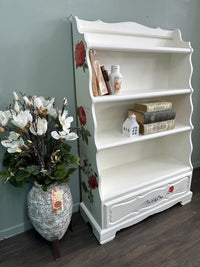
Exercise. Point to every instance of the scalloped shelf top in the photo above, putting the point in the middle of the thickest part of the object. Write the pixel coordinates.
(101, 35)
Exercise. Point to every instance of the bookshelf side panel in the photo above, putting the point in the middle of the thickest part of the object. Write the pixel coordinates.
(86, 124)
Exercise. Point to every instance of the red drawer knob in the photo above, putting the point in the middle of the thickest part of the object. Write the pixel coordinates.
(171, 189)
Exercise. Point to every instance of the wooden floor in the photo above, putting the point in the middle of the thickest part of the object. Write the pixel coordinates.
(170, 238)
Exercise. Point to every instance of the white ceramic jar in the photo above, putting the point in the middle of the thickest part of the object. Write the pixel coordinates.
(115, 79)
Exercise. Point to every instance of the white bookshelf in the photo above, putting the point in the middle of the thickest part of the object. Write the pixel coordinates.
(142, 175)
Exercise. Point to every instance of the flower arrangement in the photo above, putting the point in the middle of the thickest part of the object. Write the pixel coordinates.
(35, 138)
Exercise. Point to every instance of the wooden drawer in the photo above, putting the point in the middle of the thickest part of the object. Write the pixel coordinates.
(122, 209)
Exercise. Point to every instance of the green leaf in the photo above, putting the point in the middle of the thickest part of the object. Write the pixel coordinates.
(33, 169)
(5, 175)
(61, 172)
(83, 137)
(66, 148)
(87, 133)
(78, 160)
(17, 183)
(44, 187)
(72, 159)
(71, 171)
(85, 66)
(86, 139)
(48, 181)
(21, 175)
(84, 134)
(7, 159)
(52, 177)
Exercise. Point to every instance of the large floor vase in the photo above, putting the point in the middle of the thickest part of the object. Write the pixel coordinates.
(48, 223)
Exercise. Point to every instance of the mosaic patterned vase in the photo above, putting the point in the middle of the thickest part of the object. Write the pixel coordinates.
(50, 212)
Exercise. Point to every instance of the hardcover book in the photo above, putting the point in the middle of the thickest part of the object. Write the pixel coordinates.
(106, 79)
(151, 117)
(153, 106)
(94, 79)
(101, 86)
(157, 127)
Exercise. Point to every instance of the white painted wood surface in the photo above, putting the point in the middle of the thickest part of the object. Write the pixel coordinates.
(155, 64)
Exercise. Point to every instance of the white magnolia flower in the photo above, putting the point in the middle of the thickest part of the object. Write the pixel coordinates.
(22, 119)
(13, 136)
(14, 149)
(39, 127)
(14, 143)
(27, 101)
(42, 104)
(16, 97)
(65, 101)
(16, 107)
(63, 135)
(65, 121)
(4, 117)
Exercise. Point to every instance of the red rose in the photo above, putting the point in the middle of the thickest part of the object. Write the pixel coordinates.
(82, 115)
(80, 54)
(85, 162)
(92, 182)
(171, 189)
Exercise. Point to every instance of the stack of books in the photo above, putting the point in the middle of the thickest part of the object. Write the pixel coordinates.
(154, 116)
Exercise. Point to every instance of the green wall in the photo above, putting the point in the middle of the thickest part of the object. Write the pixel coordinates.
(36, 58)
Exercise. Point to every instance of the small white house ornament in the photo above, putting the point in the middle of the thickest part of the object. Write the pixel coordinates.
(130, 126)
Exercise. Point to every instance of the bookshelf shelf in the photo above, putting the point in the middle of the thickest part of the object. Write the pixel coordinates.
(132, 48)
(149, 171)
(138, 94)
(113, 138)
(124, 180)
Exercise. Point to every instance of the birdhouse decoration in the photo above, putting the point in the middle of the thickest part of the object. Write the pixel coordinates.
(130, 126)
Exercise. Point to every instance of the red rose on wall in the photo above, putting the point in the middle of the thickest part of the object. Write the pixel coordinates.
(82, 115)
(92, 182)
(80, 54)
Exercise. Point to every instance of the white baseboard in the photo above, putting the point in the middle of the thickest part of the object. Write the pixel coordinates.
(15, 230)
(196, 164)
(76, 207)
(20, 228)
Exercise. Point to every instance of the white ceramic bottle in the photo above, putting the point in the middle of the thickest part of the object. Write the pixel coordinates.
(115, 79)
